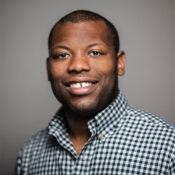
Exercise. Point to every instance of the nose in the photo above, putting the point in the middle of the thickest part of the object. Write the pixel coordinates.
(78, 64)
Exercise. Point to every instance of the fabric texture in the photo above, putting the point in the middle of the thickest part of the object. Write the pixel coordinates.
(124, 141)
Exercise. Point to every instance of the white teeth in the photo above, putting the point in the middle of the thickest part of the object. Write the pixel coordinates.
(85, 84)
(75, 85)
(78, 85)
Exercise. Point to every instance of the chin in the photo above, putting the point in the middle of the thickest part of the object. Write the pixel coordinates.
(84, 107)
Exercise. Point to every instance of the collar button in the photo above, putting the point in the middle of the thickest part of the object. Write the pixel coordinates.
(101, 138)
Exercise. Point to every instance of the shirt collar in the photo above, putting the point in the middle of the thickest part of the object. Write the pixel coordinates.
(104, 121)
(100, 124)
(57, 128)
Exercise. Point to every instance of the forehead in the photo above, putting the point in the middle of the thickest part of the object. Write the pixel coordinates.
(82, 31)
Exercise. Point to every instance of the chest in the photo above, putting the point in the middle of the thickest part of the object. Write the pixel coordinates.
(116, 154)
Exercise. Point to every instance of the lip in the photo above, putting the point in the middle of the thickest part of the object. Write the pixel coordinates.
(80, 91)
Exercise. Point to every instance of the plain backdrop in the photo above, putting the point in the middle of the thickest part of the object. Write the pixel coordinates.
(147, 34)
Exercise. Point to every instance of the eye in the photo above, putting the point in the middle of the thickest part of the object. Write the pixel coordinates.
(95, 53)
(61, 56)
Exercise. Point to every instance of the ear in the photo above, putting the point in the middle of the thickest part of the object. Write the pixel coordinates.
(121, 63)
(48, 68)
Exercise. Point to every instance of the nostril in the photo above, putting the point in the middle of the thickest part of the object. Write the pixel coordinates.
(78, 65)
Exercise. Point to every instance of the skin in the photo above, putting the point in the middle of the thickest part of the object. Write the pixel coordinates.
(83, 52)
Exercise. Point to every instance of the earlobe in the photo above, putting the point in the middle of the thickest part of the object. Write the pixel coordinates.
(121, 63)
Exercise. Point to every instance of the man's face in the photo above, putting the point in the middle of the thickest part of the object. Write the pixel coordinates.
(82, 66)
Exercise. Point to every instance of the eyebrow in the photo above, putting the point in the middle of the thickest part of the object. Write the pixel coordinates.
(67, 48)
(94, 44)
(61, 47)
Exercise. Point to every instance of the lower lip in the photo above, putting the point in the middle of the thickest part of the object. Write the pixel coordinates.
(81, 90)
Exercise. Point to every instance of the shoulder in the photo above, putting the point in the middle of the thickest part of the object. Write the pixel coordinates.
(149, 118)
(40, 136)
(32, 151)
(36, 143)
(154, 132)
(151, 126)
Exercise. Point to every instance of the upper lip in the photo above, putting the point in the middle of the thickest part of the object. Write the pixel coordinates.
(80, 80)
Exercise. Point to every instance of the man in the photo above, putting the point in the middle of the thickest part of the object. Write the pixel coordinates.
(95, 132)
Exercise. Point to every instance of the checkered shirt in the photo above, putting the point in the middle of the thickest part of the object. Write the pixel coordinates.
(124, 141)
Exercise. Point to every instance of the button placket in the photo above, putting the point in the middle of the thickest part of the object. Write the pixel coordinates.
(84, 156)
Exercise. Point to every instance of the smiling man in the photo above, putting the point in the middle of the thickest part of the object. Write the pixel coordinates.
(95, 131)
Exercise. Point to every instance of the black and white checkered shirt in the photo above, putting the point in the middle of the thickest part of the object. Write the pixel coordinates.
(124, 141)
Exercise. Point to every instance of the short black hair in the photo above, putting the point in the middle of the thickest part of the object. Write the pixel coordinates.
(85, 15)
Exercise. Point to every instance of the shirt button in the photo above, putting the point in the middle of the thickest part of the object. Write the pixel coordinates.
(102, 138)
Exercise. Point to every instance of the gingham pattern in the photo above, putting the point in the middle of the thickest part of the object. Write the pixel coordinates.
(124, 141)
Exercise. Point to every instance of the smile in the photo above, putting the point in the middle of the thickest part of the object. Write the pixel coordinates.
(78, 88)
(80, 84)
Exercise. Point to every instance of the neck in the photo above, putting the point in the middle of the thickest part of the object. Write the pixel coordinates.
(78, 131)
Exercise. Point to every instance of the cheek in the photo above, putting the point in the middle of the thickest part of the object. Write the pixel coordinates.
(109, 75)
(106, 70)
(56, 72)
(105, 64)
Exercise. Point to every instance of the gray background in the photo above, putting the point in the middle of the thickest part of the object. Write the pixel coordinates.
(146, 29)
